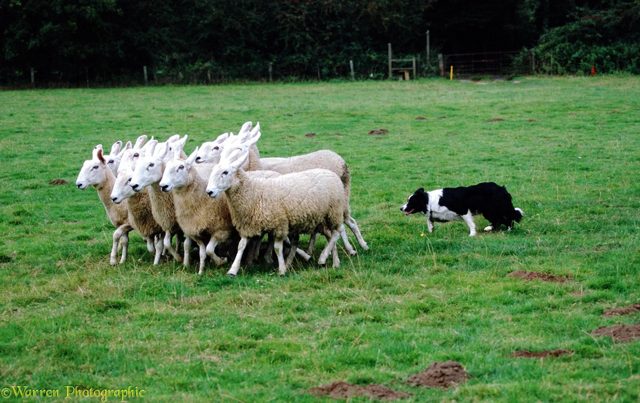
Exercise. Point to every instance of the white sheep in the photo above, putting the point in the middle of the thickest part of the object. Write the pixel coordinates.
(140, 216)
(209, 152)
(286, 205)
(205, 220)
(148, 175)
(96, 173)
(324, 159)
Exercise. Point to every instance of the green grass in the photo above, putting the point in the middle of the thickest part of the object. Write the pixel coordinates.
(68, 318)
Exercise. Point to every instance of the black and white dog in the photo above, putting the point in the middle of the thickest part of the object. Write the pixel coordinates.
(462, 203)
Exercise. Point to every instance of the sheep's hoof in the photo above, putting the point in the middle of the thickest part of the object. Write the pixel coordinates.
(364, 246)
(354, 253)
(113, 262)
(231, 274)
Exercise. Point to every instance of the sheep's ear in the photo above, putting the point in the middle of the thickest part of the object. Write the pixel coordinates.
(173, 138)
(177, 149)
(160, 151)
(115, 148)
(221, 138)
(149, 147)
(255, 130)
(246, 128)
(237, 157)
(140, 141)
(99, 155)
(127, 146)
(191, 159)
(94, 154)
(254, 139)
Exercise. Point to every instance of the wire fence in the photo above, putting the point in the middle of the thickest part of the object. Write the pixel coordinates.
(512, 63)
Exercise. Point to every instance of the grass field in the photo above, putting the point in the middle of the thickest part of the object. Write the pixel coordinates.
(68, 318)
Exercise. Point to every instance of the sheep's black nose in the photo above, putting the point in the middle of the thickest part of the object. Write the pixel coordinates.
(210, 193)
(198, 160)
(113, 199)
(164, 188)
(79, 185)
(135, 187)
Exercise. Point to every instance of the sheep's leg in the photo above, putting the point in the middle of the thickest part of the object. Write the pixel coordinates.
(159, 245)
(211, 251)
(268, 254)
(117, 235)
(150, 245)
(303, 254)
(203, 256)
(186, 251)
(279, 247)
(336, 258)
(345, 240)
(329, 247)
(236, 262)
(167, 245)
(125, 246)
(312, 242)
(293, 240)
(353, 225)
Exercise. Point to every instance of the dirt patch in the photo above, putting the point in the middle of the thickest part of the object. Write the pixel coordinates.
(531, 120)
(452, 134)
(495, 120)
(614, 112)
(190, 117)
(534, 275)
(421, 118)
(344, 390)
(310, 135)
(625, 310)
(601, 124)
(541, 354)
(442, 117)
(378, 132)
(58, 182)
(440, 375)
(572, 114)
(625, 333)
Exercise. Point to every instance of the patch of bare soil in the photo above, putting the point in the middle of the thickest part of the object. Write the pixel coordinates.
(442, 117)
(625, 310)
(534, 275)
(625, 333)
(58, 182)
(440, 375)
(541, 354)
(495, 120)
(614, 112)
(310, 135)
(572, 114)
(344, 390)
(378, 132)
(531, 120)
(601, 124)
(452, 134)
(421, 118)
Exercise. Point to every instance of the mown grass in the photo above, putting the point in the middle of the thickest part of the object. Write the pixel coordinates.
(68, 318)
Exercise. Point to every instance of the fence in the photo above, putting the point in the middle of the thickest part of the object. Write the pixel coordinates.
(491, 63)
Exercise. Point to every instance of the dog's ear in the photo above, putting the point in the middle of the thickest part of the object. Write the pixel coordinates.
(421, 190)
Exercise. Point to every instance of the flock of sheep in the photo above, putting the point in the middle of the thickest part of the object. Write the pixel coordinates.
(223, 197)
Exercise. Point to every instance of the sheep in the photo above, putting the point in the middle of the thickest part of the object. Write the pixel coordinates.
(96, 173)
(324, 159)
(290, 204)
(138, 204)
(206, 221)
(147, 175)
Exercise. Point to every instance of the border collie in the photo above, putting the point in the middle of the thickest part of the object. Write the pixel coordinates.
(462, 203)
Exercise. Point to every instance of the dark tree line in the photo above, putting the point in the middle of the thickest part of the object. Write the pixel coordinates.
(108, 41)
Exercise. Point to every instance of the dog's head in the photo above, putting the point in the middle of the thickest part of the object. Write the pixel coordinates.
(416, 203)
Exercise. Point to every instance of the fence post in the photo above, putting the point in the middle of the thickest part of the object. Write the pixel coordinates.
(441, 64)
(353, 74)
(33, 78)
(146, 78)
(270, 72)
(414, 67)
(533, 61)
(389, 61)
(428, 49)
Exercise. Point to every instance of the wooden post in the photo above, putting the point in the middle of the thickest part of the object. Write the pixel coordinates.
(451, 76)
(441, 64)
(418, 59)
(428, 55)
(389, 61)
(353, 74)
(414, 67)
(33, 78)
(533, 61)
(270, 72)
(146, 78)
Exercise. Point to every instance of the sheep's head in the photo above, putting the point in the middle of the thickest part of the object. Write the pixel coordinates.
(149, 168)
(93, 172)
(131, 156)
(115, 156)
(121, 189)
(176, 173)
(223, 176)
(211, 150)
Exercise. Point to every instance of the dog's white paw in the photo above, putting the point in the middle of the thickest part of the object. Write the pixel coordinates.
(488, 228)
